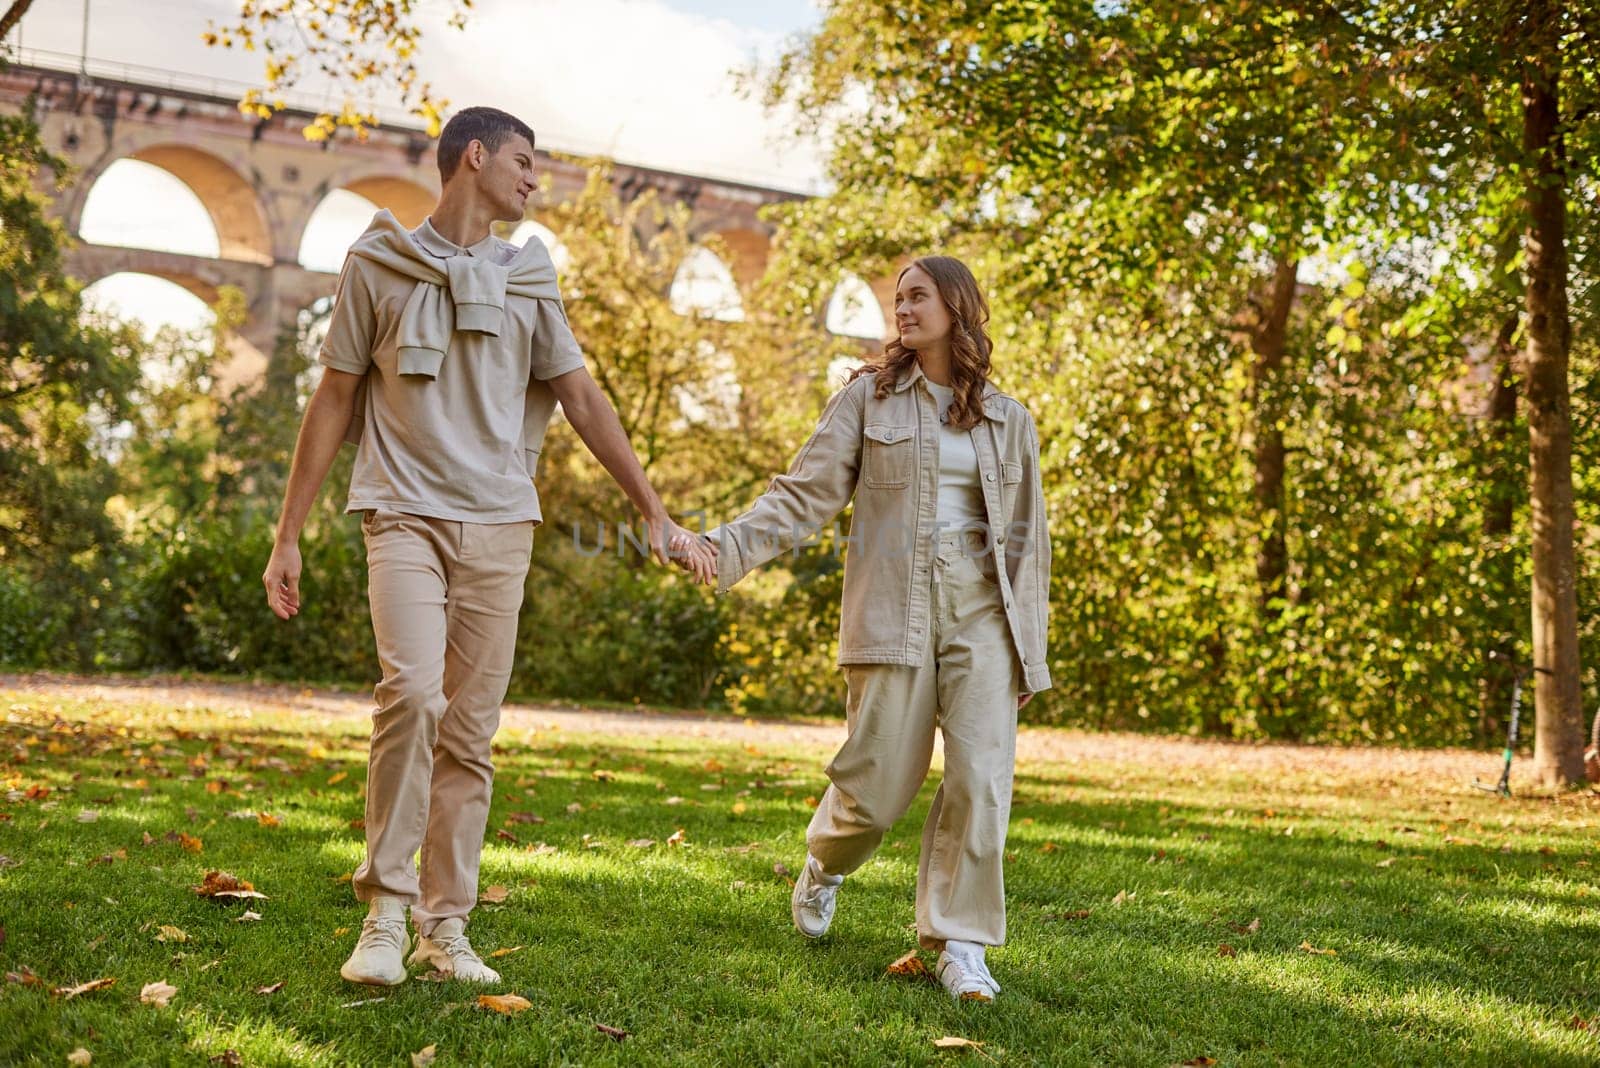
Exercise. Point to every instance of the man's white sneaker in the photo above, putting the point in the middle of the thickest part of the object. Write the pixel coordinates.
(963, 972)
(379, 956)
(812, 902)
(448, 950)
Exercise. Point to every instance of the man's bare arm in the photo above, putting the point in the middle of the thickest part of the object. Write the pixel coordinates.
(321, 433)
(596, 422)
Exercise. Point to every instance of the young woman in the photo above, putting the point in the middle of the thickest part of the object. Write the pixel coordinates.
(943, 616)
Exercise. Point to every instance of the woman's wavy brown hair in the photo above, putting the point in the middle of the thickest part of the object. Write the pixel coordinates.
(969, 341)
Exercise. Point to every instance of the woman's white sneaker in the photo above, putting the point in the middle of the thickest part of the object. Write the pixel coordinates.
(379, 956)
(812, 902)
(962, 970)
(448, 950)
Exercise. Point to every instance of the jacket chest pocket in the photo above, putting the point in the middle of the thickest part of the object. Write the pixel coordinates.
(890, 456)
(1010, 482)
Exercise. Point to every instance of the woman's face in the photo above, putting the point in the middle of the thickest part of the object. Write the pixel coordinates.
(919, 311)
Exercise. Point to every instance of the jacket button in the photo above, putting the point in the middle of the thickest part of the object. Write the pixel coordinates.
(990, 476)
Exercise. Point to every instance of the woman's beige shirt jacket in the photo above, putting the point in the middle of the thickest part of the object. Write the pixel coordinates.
(884, 453)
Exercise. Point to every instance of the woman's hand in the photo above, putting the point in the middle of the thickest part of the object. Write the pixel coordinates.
(1023, 699)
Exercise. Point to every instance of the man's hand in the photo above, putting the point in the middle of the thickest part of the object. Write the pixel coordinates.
(282, 579)
(671, 543)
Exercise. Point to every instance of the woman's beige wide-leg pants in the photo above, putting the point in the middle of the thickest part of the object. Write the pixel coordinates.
(967, 687)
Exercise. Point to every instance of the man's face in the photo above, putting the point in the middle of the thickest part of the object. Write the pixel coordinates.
(506, 178)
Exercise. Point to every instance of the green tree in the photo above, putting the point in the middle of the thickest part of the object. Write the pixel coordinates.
(66, 385)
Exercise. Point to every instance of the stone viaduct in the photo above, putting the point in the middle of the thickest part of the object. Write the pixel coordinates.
(260, 181)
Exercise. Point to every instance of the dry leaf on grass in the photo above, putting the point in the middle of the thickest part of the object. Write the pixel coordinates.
(1225, 950)
(957, 1042)
(248, 917)
(909, 966)
(157, 993)
(226, 885)
(641, 843)
(271, 988)
(1578, 1023)
(782, 871)
(266, 819)
(505, 952)
(1247, 928)
(190, 843)
(507, 1004)
(677, 838)
(229, 1058)
(1199, 1062)
(338, 777)
(24, 976)
(168, 933)
(494, 895)
(80, 1056)
(1309, 948)
(506, 836)
(67, 993)
(1122, 897)
(424, 1056)
(616, 1034)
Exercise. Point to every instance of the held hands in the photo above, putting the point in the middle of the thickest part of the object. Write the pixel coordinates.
(671, 543)
(282, 580)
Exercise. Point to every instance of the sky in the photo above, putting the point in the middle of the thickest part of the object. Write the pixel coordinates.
(644, 81)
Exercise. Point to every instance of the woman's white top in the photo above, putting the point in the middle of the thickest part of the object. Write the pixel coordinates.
(960, 495)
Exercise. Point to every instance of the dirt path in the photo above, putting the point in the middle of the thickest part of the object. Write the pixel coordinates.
(1042, 744)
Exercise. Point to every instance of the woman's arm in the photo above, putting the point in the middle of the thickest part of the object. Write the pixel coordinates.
(816, 488)
(1028, 563)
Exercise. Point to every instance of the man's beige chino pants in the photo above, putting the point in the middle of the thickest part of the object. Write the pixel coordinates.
(967, 687)
(445, 597)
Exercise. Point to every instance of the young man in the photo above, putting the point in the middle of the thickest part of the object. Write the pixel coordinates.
(447, 352)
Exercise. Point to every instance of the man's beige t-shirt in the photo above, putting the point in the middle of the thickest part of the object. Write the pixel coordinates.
(465, 445)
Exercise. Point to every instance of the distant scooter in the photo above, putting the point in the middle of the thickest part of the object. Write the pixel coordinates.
(1518, 673)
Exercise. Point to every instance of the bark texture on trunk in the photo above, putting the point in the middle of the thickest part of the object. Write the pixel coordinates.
(1558, 708)
(1269, 342)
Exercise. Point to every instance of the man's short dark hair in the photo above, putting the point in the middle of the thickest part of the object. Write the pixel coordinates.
(490, 125)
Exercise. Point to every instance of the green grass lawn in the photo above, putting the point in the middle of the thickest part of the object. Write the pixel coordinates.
(1399, 923)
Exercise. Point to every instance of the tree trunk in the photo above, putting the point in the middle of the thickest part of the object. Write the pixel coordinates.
(1499, 513)
(1268, 341)
(1558, 710)
(13, 16)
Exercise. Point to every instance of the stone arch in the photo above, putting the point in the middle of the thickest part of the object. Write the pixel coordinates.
(704, 285)
(244, 362)
(243, 230)
(560, 255)
(407, 200)
(748, 251)
(854, 310)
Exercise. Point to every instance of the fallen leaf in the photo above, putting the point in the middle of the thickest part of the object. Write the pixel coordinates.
(1225, 950)
(641, 843)
(910, 966)
(340, 932)
(248, 917)
(271, 988)
(190, 843)
(1579, 1023)
(80, 1056)
(1247, 928)
(524, 817)
(507, 1004)
(494, 895)
(1386, 863)
(710, 787)
(88, 815)
(222, 884)
(954, 1042)
(673, 801)
(157, 993)
(424, 1056)
(616, 1034)
(1122, 897)
(229, 1058)
(266, 819)
(505, 952)
(677, 838)
(1075, 914)
(1309, 948)
(67, 993)
(168, 933)
(25, 977)
(739, 808)
(575, 808)
(338, 777)
(811, 802)
(1200, 1062)
(506, 836)
(1049, 847)
(109, 858)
